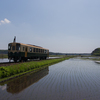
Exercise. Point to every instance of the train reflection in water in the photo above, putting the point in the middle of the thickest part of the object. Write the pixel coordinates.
(19, 84)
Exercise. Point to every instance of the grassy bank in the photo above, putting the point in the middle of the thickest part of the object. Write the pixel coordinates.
(23, 68)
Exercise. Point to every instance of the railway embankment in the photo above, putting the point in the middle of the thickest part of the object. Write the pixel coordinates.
(9, 72)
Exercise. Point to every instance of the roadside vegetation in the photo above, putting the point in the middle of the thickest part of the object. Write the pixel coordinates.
(19, 69)
(96, 52)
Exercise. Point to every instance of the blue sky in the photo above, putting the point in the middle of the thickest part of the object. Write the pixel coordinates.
(68, 26)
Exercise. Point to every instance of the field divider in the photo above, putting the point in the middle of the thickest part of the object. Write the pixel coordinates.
(13, 71)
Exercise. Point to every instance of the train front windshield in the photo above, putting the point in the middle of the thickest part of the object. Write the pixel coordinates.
(17, 46)
(14, 47)
(9, 46)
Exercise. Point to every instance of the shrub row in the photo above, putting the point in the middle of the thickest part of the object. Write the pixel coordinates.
(23, 67)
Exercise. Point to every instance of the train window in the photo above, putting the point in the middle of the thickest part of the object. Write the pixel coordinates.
(30, 49)
(39, 50)
(9, 47)
(33, 49)
(17, 46)
(45, 51)
(23, 48)
(13, 48)
(36, 49)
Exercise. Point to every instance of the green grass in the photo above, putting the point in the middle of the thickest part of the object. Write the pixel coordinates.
(56, 55)
(3, 56)
(19, 69)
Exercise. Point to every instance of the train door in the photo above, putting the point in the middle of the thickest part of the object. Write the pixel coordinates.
(26, 51)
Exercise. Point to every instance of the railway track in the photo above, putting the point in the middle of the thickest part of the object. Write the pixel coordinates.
(8, 63)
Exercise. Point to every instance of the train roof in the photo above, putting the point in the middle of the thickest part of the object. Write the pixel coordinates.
(30, 45)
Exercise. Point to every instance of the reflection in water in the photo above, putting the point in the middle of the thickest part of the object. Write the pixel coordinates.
(20, 84)
(3, 87)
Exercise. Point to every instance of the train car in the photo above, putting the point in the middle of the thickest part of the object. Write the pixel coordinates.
(20, 51)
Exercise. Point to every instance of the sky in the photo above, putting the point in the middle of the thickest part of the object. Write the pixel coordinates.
(67, 26)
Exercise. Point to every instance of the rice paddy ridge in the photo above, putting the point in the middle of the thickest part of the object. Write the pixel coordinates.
(9, 72)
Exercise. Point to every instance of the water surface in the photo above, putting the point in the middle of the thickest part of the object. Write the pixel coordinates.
(73, 79)
(4, 60)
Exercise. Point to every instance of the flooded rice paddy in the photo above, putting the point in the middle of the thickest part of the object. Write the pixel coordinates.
(4, 60)
(73, 79)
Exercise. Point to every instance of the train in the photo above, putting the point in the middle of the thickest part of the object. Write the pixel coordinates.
(23, 52)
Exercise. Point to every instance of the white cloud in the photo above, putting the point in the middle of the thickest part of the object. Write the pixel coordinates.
(5, 21)
(2, 22)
